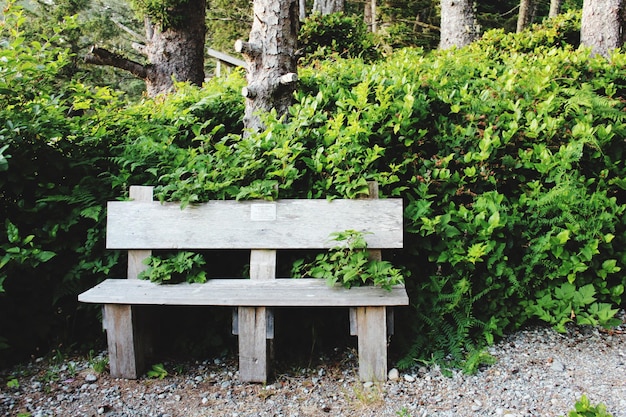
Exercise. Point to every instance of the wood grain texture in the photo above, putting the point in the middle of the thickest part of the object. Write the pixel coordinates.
(253, 363)
(125, 356)
(306, 292)
(135, 263)
(372, 343)
(283, 224)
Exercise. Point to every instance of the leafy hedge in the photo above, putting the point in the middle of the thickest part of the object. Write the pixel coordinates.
(508, 154)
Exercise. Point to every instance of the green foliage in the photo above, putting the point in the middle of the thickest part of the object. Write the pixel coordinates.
(157, 371)
(98, 363)
(339, 35)
(162, 12)
(21, 251)
(348, 264)
(567, 303)
(179, 267)
(583, 408)
(51, 189)
(13, 383)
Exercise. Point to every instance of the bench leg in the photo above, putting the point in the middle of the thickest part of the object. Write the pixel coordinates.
(253, 344)
(126, 353)
(372, 340)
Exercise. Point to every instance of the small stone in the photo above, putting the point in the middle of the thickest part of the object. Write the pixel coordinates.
(205, 400)
(198, 378)
(91, 378)
(557, 366)
(368, 384)
(409, 378)
(225, 384)
(393, 375)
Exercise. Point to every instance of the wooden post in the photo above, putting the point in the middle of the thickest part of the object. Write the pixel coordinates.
(371, 326)
(372, 334)
(255, 324)
(126, 326)
(126, 359)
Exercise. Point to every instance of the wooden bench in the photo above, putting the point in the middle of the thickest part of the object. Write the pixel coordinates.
(141, 225)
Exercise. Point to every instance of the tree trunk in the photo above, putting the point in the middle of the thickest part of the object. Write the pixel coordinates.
(325, 7)
(271, 57)
(555, 8)
(602, 26)
(458, 23)
(525, 16)
(173, 53)
(369, 15)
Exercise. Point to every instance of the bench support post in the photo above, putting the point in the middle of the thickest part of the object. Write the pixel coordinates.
(126, 359)
(372, 341)
(254, 323)
(253, 344)
(125, 325)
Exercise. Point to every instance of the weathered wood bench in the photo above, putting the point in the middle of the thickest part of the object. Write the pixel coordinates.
(142, 225)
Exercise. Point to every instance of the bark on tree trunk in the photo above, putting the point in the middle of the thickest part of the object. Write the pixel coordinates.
(369, 15)
(602, 26)
(328, 6)
(458, 23)
(525, 15)
(555, 8)
(176, 53)
(271, 57)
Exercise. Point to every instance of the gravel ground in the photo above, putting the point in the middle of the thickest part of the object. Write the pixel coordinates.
(538, 372)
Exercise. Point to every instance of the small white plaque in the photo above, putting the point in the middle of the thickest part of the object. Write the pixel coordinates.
(263, 212)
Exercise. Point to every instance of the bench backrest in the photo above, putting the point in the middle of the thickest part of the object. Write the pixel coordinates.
(282, 224)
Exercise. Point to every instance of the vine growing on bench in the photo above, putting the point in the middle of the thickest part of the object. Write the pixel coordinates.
(348, 263)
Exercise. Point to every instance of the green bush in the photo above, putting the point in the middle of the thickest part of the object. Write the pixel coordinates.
(51, 193)
(340, 35)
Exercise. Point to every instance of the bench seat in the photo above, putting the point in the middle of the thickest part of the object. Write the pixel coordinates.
(301, 292)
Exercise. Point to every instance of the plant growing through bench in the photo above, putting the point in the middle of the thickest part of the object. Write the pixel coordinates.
(174, 268)
(349, 264)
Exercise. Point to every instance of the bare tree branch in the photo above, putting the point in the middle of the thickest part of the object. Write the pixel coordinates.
(129, 30)
(100, 56)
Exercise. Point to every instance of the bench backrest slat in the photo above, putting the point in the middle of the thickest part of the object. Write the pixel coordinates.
(282, 224)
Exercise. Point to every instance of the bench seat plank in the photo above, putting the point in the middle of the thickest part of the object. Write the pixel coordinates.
(305, 292)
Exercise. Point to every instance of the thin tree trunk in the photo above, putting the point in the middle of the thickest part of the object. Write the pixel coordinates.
(602, 26)
(325, 7)
(458, 23)
(525, 15)
(369, 15)
(555, 8)
(271, 57)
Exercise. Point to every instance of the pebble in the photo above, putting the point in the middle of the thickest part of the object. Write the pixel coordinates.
(91, 378)
(394, 375)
